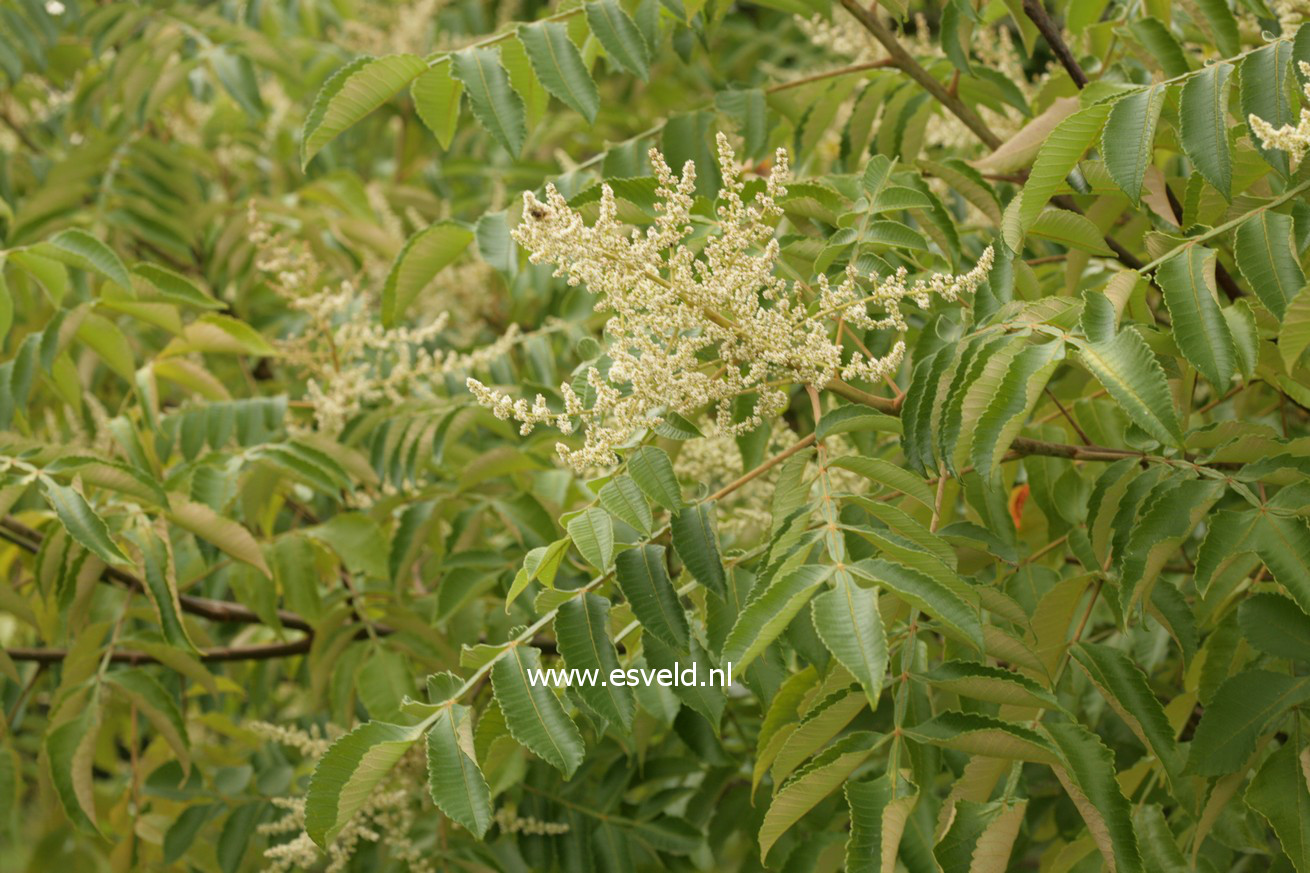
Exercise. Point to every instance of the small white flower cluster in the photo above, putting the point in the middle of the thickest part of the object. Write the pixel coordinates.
(388, 816)
(1295, 140)
(692, 328)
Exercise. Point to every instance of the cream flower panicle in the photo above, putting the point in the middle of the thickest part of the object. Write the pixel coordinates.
(696, 327)
(1295, 140)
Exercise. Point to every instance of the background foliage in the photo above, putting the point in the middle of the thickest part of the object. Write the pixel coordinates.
(272, 574)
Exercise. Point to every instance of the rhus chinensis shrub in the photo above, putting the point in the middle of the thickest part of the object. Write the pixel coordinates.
(654, 434)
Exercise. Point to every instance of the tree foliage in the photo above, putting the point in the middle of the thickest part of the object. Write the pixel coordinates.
(935, 372)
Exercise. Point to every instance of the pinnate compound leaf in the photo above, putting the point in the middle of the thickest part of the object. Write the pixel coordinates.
(1129, 137)
(1267, 258)
(496, 105)
(425, 254)
(644, 581)
(454, 778)
(816, 781)
(348, 773)
(352, 93)
(582, 632)
(559, 66)
(1127, 368)
(1187, 280)
(1241, 710)
(533, 714)
(847, 620)
(697, 543)
(1088, 776)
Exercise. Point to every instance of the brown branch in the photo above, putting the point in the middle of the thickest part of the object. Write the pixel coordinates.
(880, 64)
(906, 63)
(262, 652)
(214, 610)
(1049, 30)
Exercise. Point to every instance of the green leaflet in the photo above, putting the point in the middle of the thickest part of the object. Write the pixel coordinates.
(69, 749)
(847, 620)
(496, 105)
(1282, 543)
(1294, 335)
(1129, 371)
(1275, 625)
(697, 544)
(1167, 519)
(823, 721)
(992, 684)
(1223, 25)
(454, 779)
(768, 613)
(644, 581)
(1057, 158)
(812, 784)
(533, 714)
(1278, 792)
(158, 705)
(979, 734)
(1124, 687)
(1088, 776)
(886, 473)
(1012, 403)
(878, 819)
(920, 590)
(1161, 45)
(1187, 280)
(173, 287)
(652, 470)
(437, 95)
(349, 772)
(707, 700)
(980, 836)
(1204, 121)
(222, 532)
(1268, 260)
(425, 254)
(592, 531)
(81, 521)
(1129, 137)
(582, 633)
(559, 66)
(351, 93)
(1243, 708)
(623, 498)
(1264, 94)
(618, 34)
(79, 249)
(1069, 229)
